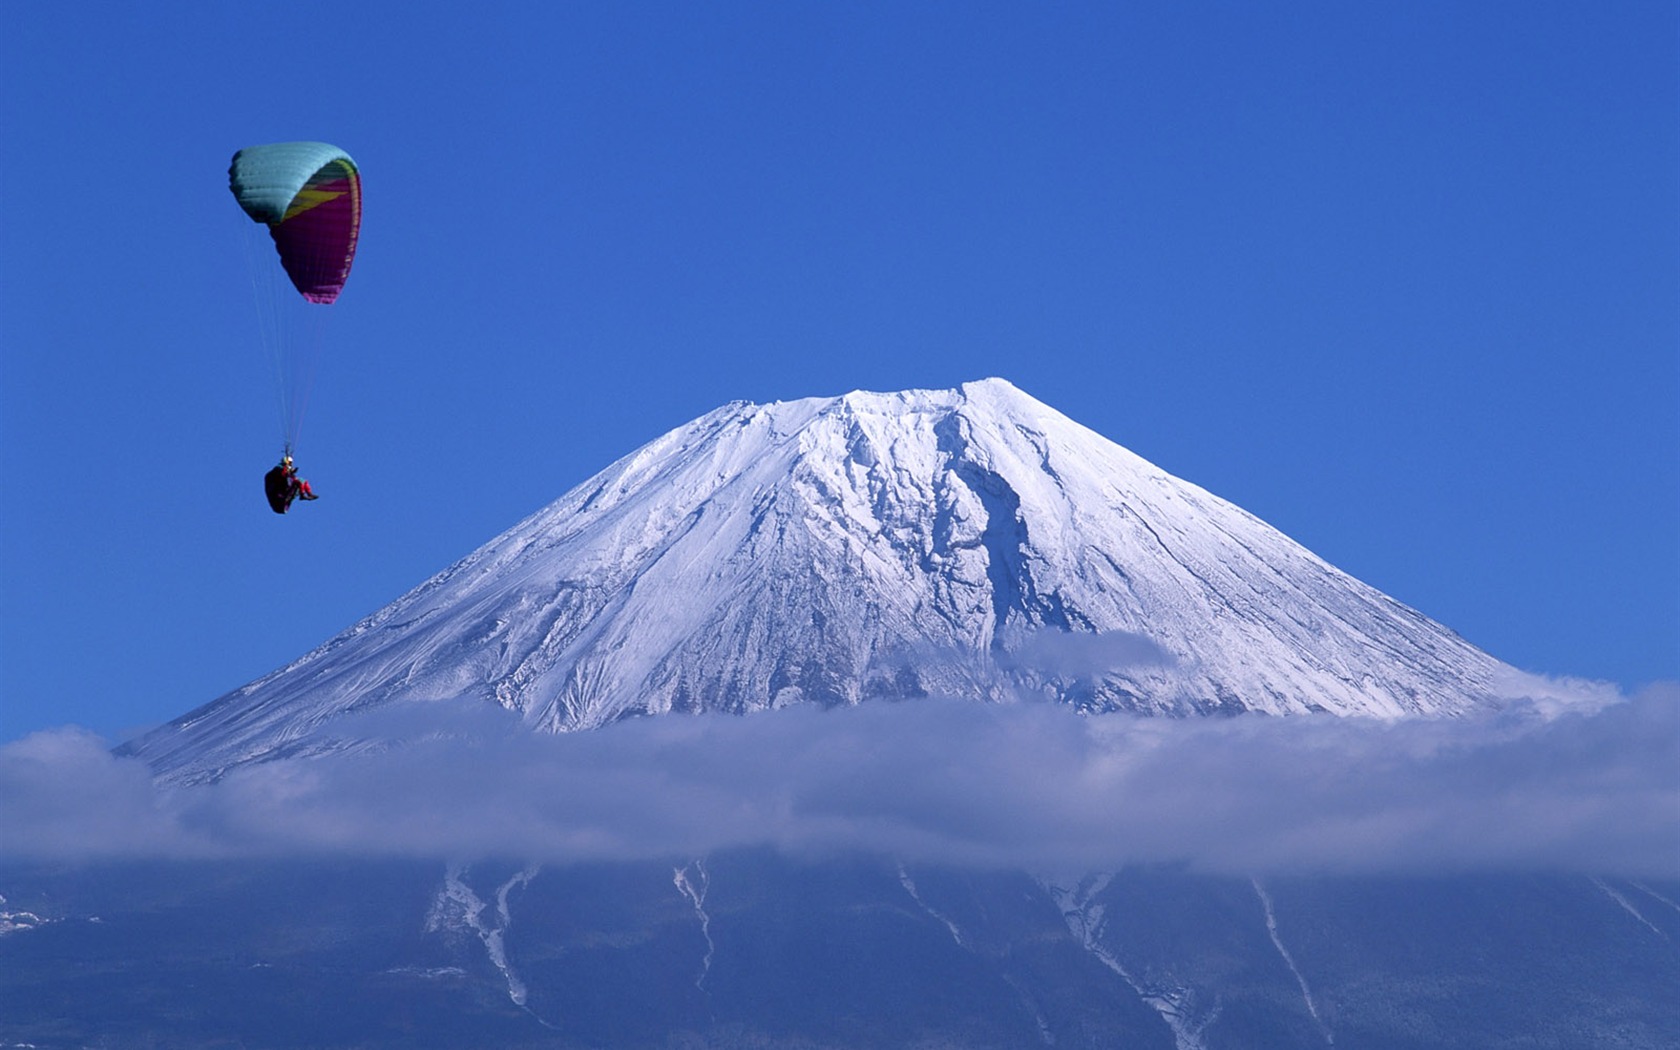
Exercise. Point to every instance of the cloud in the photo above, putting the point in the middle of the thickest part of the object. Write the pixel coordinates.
(1086, 654)
(62, 795)
(1022, 785)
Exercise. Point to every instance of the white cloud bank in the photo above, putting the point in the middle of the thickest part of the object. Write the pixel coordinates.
(1029, 785)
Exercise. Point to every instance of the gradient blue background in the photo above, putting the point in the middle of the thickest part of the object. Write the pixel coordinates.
(1403, 279)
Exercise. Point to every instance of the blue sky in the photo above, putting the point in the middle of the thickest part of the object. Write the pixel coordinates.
(1398, 278)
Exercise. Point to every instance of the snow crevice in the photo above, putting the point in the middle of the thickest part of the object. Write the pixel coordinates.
(692, 881)
(1087, 920)
(909, 885)
(459, 907)
(1289, 960)
(1627, 905)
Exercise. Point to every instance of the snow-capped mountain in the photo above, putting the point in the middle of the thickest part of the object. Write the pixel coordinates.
(832, 550)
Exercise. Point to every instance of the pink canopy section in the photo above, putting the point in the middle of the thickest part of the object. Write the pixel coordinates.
(317, 236)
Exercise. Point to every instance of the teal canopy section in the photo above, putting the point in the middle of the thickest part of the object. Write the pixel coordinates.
(265, 179)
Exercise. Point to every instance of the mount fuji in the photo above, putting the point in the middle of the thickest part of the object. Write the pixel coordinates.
(971, 542)
(971, 546)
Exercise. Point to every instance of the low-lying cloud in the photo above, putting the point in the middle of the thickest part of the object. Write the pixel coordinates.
(1086, 654)
(1021, 785)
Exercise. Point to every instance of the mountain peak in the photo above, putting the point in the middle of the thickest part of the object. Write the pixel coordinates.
(972, 542)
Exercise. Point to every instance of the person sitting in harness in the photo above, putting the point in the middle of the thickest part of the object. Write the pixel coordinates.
(282, 485)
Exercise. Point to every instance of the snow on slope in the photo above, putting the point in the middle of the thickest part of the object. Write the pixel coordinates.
(831, 550)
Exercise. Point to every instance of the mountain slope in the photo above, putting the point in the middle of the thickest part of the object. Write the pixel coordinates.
(780, 952)
(831, 550)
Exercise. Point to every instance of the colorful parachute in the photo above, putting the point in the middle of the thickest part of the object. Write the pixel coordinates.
(309, 195)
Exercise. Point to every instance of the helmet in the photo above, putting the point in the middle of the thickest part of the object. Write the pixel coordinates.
(285, 461)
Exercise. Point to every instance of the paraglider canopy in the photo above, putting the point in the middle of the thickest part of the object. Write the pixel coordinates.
(309, 195)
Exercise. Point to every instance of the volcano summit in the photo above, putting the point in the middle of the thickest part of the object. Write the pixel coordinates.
(971, 542)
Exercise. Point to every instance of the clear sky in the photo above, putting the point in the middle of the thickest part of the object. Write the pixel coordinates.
(1403, 279)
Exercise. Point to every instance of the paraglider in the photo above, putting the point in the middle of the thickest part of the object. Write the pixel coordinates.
(282, 485)
(309, 196)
